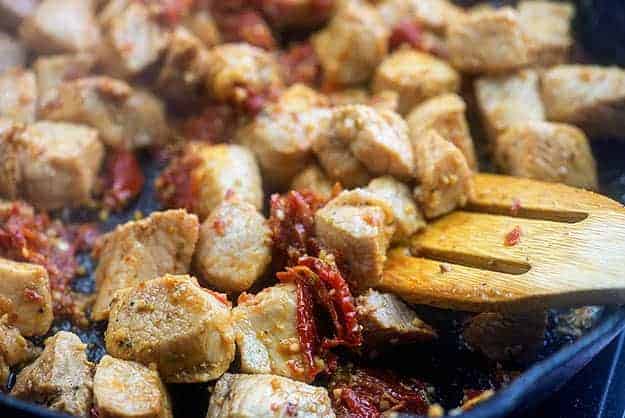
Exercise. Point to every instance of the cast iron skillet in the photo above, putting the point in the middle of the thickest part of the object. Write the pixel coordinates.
(600, 28)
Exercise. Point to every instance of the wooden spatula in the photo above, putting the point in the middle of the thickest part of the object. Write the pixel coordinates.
(520, 245)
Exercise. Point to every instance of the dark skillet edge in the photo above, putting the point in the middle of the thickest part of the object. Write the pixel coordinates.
(532, 386)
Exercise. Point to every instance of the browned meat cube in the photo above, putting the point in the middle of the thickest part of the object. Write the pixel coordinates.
(547, 26)
(383, 100)
(508, 99)
(360, 141)
(51, 165)
(125, 389)
(61, 26)
(25, 297)
(446, 115)
(173, 322)
(10, 166)
(52, 70)
(433, 15)
(352, 45)
(12, 52)
(407, 215)
(14, 349)
(202, 24)
(297, 14)
(12, 12)
(547, 151)
(266, 333)
(225, 171)
(281, 135)
(234, 248)
(415, 76)
(444, 177)
(18, 100)
(239, 70)
(387, 319)
(142, 250)
(588, 96)
(186, 63)
(124, 117)
(487, 41)
(133, 40)
(314, 179)
(359, 226)
(61, 378)
(249, 396)
(506, 337)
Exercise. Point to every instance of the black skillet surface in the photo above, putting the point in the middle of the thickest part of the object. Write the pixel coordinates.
(601, 24)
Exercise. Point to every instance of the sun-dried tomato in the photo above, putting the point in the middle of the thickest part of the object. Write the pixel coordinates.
(407, 31)
(321, 284)
(513, 237)
(176, 187)
(292, 218)
(368, 393)
(300, 64)
(32, 237)
(217, 123)
(123, 179)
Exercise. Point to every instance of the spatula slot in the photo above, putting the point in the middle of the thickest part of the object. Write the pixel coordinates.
(528, 212)
(474, 261)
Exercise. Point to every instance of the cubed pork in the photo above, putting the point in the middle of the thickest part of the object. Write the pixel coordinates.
(234, 248)
(61, 378)
(18, 100)
(142, 250)
(176, 324)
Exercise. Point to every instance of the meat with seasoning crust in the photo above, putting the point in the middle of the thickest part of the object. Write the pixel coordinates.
(142, 250)
(174, 323)
(61, 378)
(18, 100)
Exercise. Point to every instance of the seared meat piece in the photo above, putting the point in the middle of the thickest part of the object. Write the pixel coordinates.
(238, 71)
(25, 297)
(415, 76)
(281, 135)
(446, 115)
(434, 15)
(266, 333)
(126, 118)
(547, 27)
(224, 171)
(249, 396)
(383, 100)
(202, 24)
(12, 52)
(359, 226)
(547, 151)
(61, 378)
(508, 99)
(133, 40)
(444, 177)
(51, 165)
(361, 140)
(18, 100)
(387, 319)
(173, 322)
(352, 45)
(125, 389)
(487, 41)
(407, 215)
(314, 179)
(234, 248)
(186, 63)
(52, 70)
(61, 26)
(297, 14)
(12, 12)
(506, 337)
(142, 250)
(14, 349)
(588, 96)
